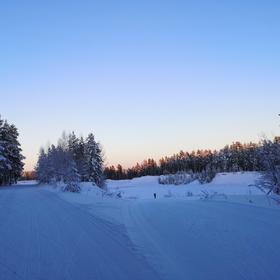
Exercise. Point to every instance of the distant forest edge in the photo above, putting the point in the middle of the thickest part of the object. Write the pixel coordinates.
(203, 165)
(232, 158)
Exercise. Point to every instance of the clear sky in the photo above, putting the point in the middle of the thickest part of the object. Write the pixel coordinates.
(147, 77)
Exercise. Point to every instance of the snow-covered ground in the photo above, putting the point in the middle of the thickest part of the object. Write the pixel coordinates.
(232, 234)
(45, 237)
(223, 183)
(230, 187)
(27, 182)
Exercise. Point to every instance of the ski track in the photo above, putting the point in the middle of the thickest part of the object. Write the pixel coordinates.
(45, 237)
(206, 239)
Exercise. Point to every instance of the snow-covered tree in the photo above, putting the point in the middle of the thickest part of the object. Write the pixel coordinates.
(73, 144)
(11, 158)
(70, 162)
(41, 168)
(94, 160)
(3, 160)
(72, 178)
(207, 175)
(77, 149)
(269, 154)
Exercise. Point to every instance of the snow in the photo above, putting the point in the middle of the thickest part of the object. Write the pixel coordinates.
(27, 182)
(95, 235)
(45, 237)
(230, 236)
(206, 240)
(2, 158)
(224, 183)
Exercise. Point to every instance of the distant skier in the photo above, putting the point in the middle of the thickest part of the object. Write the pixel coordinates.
(155, 195)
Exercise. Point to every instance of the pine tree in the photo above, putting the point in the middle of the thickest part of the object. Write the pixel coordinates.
(11, 159)
(95, 161)
(3, 160)
(72, 178)
(80, 159)
(16, 157)
(120, 173)
(269, 154)
(73, 144)
(41, 168)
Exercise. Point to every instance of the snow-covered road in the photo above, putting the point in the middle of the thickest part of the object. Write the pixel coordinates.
(45, 237)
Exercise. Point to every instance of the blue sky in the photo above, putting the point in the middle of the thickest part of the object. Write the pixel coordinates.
(147, 77)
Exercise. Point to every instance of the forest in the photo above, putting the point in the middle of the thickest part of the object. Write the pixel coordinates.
(203, 165)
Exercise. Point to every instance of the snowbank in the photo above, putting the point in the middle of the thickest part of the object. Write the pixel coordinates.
(27, 182)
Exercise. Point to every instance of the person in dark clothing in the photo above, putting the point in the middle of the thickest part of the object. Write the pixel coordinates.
(155, 195)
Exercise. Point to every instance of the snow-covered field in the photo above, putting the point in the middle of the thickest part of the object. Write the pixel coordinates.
(223, 183)
(227, 229)
(232, 234)
(229, 187)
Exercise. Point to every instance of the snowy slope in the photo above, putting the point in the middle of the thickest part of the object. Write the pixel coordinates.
(227, 237)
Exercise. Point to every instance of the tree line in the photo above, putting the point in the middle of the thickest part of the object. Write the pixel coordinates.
(71, 161)
(234, 157)
(263, 156)
(11, 158)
